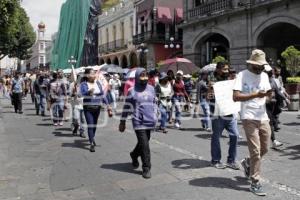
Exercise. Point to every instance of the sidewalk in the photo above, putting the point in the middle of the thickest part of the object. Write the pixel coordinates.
(48, 163)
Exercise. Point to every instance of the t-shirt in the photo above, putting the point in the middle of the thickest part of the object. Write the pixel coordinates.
(17, 85)
(248, 82)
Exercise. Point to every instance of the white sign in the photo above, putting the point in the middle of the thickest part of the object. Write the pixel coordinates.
(224, 104)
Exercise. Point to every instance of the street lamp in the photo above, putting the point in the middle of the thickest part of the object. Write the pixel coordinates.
(143, 50)
(72, 61)
(171, 44)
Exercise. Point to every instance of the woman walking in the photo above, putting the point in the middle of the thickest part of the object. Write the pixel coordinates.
(164, 93)
(93, 97)
(140, 102)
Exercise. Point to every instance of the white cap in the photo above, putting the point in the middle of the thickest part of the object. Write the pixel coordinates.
(180, 72)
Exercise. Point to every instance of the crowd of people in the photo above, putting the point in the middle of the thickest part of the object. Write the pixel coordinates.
(156, 99)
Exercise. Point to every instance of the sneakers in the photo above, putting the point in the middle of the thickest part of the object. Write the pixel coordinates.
(92, 148)
(82, 135)
(208, 129)
(276, 144)
(146, 174)
(256, 188)
(60, 123)
(135, 162)
(218, 165)
(55, 124)
(233, 165)
(177, 125)
(246, 165)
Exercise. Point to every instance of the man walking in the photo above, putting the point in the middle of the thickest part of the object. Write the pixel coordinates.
(17, 88)
(219, 123)
(252, 88)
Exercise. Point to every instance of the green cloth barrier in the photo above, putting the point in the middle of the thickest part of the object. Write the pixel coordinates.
(70, 37)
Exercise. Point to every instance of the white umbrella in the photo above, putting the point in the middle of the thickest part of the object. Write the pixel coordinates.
(209, 68)
(67, 71)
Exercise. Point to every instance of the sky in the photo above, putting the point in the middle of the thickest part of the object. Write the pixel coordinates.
(46, 11)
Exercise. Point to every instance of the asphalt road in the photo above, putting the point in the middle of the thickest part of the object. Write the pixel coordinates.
(42, 162)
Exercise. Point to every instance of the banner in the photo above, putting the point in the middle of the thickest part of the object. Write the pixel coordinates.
(224, 104)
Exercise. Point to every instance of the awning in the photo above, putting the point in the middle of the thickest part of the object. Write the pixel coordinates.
(179, 15)
(164, 15)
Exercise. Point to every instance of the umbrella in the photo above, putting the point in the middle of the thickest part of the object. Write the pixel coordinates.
(106, 67)
(117, 70)
(176, 64)
(131, 74)
(67, 71)
(209, 68)
(98, 67)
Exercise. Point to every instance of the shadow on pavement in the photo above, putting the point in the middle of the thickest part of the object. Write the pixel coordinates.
(60, 134)
(31, 115)
(221, 182)
(191, 129)
(80, 144)
(121, 167)
(242, 143)
(292, 124)
(63, 129)
(294, 152)
(48, 124)
(30, 109)
(204, 136)
(190, 164)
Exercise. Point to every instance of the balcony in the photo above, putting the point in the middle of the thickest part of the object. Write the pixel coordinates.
(210, 8)
(149, 37)
(113, 46)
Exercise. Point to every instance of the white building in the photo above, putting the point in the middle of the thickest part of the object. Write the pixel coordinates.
(38, 50)
(7, 65)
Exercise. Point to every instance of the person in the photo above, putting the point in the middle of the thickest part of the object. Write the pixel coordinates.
(42, 84)
(58, 93)
(219, 123)
(188, 85)
(272, 105)
(178, 97)
(115, 84)
(141, 103)
(252, 87)
(17, 89)
(164, 93)
(93, 98)
(201, 95)
(77, 105)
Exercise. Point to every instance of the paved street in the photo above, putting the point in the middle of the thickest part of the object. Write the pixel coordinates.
(42, 162)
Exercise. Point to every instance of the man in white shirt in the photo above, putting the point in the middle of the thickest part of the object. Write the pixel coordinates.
(252, 88)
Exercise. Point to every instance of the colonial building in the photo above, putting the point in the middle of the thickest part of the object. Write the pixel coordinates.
(157, 35)
(233, 28)
(115, 29)
(38, 50)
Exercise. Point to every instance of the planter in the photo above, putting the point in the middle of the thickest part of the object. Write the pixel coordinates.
(294, 105)
(292, 88)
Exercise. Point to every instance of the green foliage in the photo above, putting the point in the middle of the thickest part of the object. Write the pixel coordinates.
(17, 34)
(219, 59)
(109, 3)
(292, 60)
(293, 80)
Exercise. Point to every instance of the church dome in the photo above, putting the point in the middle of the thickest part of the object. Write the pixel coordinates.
(41, 25)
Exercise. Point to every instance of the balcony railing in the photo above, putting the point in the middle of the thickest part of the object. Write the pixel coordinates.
(210, 8)
(113, 46)
(151, 37)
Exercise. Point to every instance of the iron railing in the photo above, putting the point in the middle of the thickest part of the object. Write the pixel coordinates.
(150, 37)
(210, 8)
(113, 46)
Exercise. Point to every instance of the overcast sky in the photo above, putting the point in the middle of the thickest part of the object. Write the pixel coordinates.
(44, 10)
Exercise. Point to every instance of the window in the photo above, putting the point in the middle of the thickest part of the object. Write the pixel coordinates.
(199, 2)
(42, 46)
(131, 26)
(42, 59)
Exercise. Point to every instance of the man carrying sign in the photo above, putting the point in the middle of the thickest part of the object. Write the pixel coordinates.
(222, 120)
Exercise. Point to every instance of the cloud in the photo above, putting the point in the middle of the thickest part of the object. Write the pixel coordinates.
(44, 10)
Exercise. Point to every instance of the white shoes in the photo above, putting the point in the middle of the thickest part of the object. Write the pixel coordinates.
(276, 144)
(177, 125)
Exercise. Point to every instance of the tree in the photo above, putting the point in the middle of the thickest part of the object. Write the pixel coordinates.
(292, 60)
(16, 32)
(219, 59)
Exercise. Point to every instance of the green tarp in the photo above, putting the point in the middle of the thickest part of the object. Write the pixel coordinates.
(70, 38)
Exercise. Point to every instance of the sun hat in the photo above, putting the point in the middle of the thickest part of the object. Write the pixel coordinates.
(258, 57)
(163, 75)
(180, 72)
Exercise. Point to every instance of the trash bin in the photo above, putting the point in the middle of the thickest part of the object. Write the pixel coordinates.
(294, 105)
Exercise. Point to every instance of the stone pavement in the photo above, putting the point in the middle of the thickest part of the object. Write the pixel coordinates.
(42, 162)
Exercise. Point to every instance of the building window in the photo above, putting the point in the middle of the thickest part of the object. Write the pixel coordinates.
(107, 36)
(42, 46)
(42, 59)
(131, 26)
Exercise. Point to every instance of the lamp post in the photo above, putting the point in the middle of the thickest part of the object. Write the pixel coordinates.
(143, 50)
(72, 61)
(171, 44)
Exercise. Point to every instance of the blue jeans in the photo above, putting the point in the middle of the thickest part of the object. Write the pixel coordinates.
(176, 100)
(218, 125)
(205, 120)
(78, 119)
(58, 111)
(42, 103)
(163, 116)
(91, 117)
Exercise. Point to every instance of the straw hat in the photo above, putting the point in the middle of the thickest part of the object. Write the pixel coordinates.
(258, 57)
